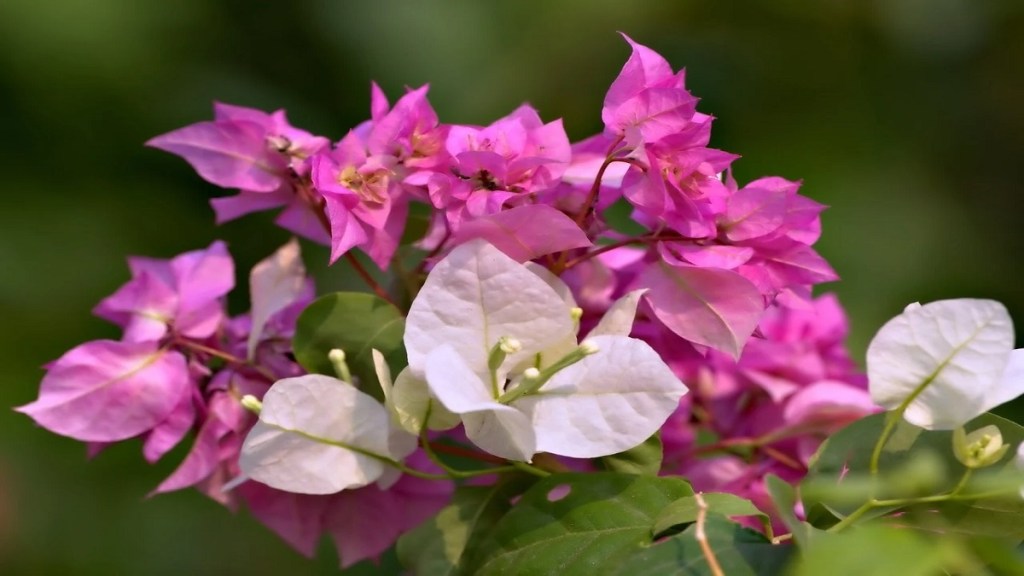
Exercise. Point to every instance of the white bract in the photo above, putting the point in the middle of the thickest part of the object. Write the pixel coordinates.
(274, 284)
(495, 343)
(946, 363)
(319, 435)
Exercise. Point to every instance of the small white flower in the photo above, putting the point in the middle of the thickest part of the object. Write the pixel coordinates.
(981, 448)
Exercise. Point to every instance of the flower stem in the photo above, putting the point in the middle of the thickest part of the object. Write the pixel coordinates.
(898, 502)
(523, 466)
(595, 188)
(368, 279)
(225, 356)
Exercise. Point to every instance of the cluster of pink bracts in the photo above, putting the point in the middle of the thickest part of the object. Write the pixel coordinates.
(728, 272)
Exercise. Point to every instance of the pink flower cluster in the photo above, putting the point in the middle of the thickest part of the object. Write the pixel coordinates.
(182, 366)
(769, 411)
(720, 263)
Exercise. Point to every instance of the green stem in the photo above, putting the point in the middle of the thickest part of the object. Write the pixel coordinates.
(891, 420)
(853, 516)
(523, 466)
(428, 449)
(898, 502)
(453, 472)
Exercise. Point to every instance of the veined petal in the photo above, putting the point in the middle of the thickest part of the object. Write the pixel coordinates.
(104, 391)
(606, 403)
(526, 232)
(496, 428)
(229, 153)
(274, 284)
(716, 308)
(317, 435)
(618, 320)
(945, 358)
(477, 295)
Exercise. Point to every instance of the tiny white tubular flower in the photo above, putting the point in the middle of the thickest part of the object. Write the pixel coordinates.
(981, 448)
(319, 435)
(495, 342)
(946, 362)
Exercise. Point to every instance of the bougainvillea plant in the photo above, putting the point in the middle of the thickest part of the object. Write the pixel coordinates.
(595, 357)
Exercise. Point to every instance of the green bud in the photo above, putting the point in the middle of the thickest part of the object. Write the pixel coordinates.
(252, 404)
(576, 313)
(981, 448)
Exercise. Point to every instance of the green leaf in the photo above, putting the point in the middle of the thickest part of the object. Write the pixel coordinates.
(784, 497)
(918, 462)
(873, 550)
(436, 546)
(642, 459)
(575, 524)
(996, 517)
(739, 551)
(685, 510)
(357, 323)
(999, 556)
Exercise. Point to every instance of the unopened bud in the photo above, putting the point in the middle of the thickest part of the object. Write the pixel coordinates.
(589, 347)
(981, 448)
(506, 345)
(337, 358)
(509, 345)
(252, 404)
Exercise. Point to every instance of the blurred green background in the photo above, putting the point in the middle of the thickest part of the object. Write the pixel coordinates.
(906, 116)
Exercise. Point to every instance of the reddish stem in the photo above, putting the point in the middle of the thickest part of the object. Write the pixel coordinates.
(595, 188)
(651, 239)
(225, 356)
(465, 453)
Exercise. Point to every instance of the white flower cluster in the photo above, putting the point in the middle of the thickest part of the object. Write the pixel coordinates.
(492, 344)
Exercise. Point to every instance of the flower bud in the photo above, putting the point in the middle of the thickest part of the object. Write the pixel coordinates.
(509, 345)
(506, 345)
(981, 448)
(337, 358)
(252, 404)
(588, 347)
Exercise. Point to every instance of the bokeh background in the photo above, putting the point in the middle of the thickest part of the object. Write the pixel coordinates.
(906, 116)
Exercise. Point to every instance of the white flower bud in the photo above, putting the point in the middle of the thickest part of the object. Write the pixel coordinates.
(252, 404)
(981, 448)
(510, 345)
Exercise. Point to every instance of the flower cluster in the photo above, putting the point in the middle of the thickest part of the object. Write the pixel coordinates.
(769, 411)
(520, 258)
(183, 365)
